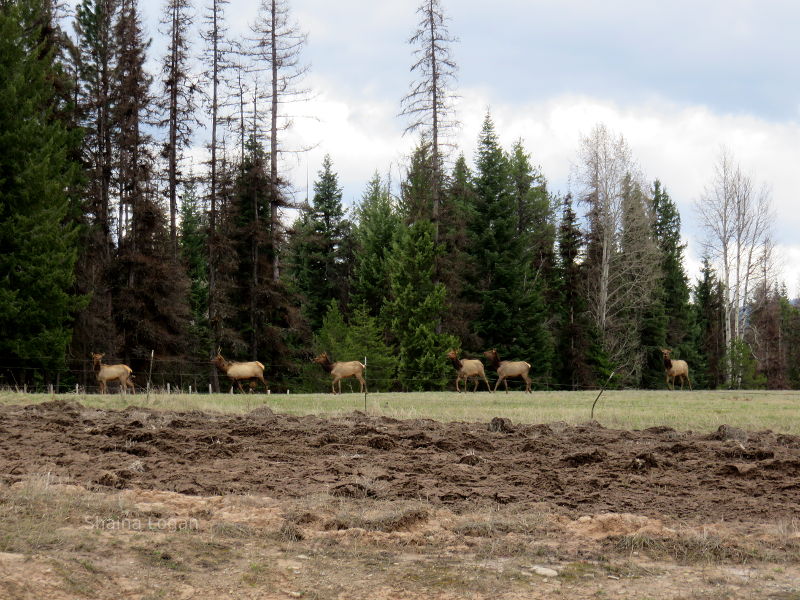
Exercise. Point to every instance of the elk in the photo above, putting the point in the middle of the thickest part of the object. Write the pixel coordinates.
(342, 370)
(240, 371)
(508, 368)
(467, 368)
(106, 373)
(675, 368)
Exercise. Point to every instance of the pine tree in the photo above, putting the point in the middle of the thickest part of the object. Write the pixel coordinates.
(415, 309)
(152, 290)
(429, 104)
(359, 339)
(454, 262)
(709, 342)
(377, 226)
(316, 262)
(581, 359)
(668, 319)
(177, 105)
(193, 244)
(38, 237)
(512, 314)
(276, 49)
(97, 57)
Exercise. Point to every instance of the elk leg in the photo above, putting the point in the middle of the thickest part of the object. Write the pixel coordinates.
(264, 381)
(527, 384)
(239, 383)
(363, 384)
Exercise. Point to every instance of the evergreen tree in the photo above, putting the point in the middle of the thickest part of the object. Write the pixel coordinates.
(377, 226)
(429, 103)
(709, 307)
(359, 338)
(317, 264)
(582, 361)
(415, 310)
(790, 337)
(454, 263)
(95, 330)
(38, 237)
(193, 243)
(177, 104)
(416, 190)
(152, 290)
(668, 319)
(512, 314)
(264, 322)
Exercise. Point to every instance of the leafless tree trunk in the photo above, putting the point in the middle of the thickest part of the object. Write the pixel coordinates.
(276, 48)
(215, 51)
(177, 103)
(429, 103)
(622, 256)
(737, 220)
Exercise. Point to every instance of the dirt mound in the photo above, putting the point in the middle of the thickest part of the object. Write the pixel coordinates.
(580, 470)
(608, 525)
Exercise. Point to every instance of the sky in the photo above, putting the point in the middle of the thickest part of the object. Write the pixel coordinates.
(678, 80)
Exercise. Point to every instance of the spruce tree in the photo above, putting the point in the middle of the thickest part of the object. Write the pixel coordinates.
(415, 310)
(581, 361)
(151, 295)
(512, 314)
(709, 342)
(38, 237)
(377, 226)
(317, 265)
(193, 244)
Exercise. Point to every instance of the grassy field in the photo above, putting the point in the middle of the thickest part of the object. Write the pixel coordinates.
(629, 409)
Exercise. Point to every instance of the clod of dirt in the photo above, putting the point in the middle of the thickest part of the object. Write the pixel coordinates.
(616, 524)
(470, 459)
(262, 412)
(352, 490)
(726, 432)
(501, 425)
(381, 442)
(585, 458)
(62, 406)
(644, 461)
(111, 479)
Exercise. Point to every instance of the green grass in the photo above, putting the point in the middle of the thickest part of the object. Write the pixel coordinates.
(629, 409)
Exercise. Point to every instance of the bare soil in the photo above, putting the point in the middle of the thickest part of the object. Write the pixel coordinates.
(423, 507)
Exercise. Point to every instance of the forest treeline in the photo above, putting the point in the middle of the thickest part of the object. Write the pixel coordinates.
(110, 243)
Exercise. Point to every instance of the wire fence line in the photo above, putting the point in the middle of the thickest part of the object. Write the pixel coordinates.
(195, 376)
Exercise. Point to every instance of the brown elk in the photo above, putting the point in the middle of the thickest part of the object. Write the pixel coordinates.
(508, 368)
(240, 371)
(106, 373)
(342, 370)
(467, 368)
(675, 368)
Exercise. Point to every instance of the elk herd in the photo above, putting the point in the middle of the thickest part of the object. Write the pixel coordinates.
(466, 369)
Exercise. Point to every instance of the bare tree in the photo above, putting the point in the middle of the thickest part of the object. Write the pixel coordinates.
(622, 262)
(737, 219)
(276, 49)
(177, 104)
(429, 103)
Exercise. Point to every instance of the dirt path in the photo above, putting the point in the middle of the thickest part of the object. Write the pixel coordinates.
(659, 472)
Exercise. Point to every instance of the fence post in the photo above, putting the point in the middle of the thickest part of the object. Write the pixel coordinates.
(168, 389)
(209, 388)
